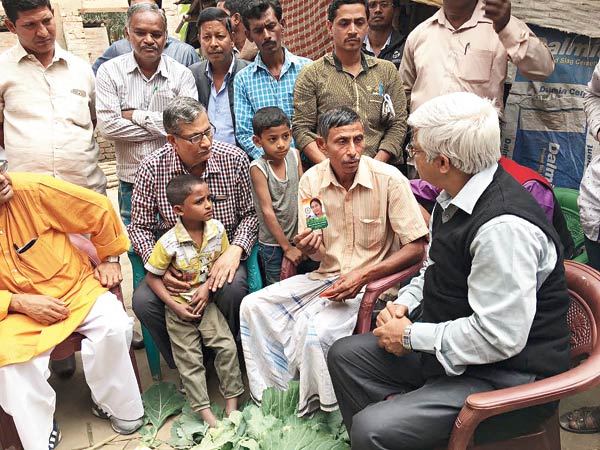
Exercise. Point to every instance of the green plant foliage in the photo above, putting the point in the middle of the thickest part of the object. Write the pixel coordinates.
(160, 402)
(273, 426)
(281, 403)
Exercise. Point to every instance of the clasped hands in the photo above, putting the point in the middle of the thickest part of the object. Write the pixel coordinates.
(391, 323)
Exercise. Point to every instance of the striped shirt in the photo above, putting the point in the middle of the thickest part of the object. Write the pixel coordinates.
(254, 87)
(227, 175)
(121, 85)
(368, 222)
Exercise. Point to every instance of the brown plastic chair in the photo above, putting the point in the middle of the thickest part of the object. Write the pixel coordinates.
(584, 319)
(9, 439)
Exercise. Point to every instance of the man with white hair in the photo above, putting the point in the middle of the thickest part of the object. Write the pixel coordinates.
(487, 311)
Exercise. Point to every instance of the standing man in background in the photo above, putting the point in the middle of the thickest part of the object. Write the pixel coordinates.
(348, 77)
(47, 95)
(382, 41)
(245, 49)
(466, 46)
(180, 51)
(270, 79)
(214, 76)
(133, 91)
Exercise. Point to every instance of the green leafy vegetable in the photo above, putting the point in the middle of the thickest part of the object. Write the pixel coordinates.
(160, 401)
(273, 426)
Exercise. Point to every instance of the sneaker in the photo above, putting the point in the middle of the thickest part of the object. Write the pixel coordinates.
(55, 436)
(120, 426)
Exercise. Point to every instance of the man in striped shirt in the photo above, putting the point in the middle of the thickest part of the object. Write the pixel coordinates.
(133, 90)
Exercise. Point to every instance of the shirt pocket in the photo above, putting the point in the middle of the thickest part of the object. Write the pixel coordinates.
(75, 106)
(475, 66)
(374, 110)
(369, 232)
(39, 260)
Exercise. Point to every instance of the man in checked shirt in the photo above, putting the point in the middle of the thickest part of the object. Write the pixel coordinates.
(191, 149)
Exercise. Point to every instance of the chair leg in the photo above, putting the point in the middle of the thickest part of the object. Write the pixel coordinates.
(152, 353)
(9, 438)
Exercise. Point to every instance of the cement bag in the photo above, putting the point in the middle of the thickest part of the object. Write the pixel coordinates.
(544, 124)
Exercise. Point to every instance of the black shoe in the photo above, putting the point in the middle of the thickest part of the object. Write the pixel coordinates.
(137, 341)
(64, 368)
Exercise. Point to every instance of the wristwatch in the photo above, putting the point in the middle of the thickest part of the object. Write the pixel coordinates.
(111, 259)
(406, 338)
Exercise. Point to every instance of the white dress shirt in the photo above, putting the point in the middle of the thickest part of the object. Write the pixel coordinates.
(511, 260)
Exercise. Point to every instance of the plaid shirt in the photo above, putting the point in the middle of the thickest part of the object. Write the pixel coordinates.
(254, 87)
(227, 174)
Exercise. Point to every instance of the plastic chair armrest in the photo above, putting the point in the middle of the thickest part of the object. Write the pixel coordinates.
(374, 289)
(481, 406)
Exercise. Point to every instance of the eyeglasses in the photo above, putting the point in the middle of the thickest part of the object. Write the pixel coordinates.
(382, 5)
(412, 150)
(197, 138)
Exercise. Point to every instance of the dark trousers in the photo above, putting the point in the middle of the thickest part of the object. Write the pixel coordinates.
(422, 412)
(151, 310)
(593, 252)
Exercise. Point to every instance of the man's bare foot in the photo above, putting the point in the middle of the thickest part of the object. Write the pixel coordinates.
(207, 415)
(231, 404)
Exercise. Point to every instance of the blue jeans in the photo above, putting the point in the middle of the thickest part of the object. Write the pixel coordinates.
(271, 258)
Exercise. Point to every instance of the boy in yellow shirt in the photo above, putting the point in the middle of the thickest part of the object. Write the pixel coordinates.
(192, 246)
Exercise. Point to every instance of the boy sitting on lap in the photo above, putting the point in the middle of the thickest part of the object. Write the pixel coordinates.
(192, 246)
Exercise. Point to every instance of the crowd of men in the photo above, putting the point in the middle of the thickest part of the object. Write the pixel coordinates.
(251, 122)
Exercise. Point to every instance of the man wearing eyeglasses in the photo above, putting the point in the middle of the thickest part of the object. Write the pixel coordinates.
(133, 90)
(382, 41)
(191, 149)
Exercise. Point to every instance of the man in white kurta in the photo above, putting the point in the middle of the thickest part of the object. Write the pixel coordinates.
(375, 228)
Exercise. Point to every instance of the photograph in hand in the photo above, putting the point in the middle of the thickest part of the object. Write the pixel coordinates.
(314, 209)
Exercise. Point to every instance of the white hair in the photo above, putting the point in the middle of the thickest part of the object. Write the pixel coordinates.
(462, 126)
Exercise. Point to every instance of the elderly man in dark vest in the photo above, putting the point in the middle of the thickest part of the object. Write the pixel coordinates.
(488, 310)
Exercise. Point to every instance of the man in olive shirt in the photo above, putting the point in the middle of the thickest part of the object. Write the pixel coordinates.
(348, 77)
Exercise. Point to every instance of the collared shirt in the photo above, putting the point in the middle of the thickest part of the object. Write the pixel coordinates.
(194, 260)
(122, 86)
(228, 178)
(369, 48)
(592, 102)
(366, 223)
(503, 299)
(589, 191)
(218, 110)
(47, 113)
(254, 87)
(180, 51)
(438, 59)
(428, 193)
(325, 84)
(46, 210)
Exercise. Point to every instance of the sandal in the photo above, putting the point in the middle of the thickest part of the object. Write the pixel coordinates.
(55, 436)
(581, 420)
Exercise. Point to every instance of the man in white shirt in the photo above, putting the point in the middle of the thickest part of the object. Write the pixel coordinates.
(488, 310)
(133, 91)
(47, 95)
